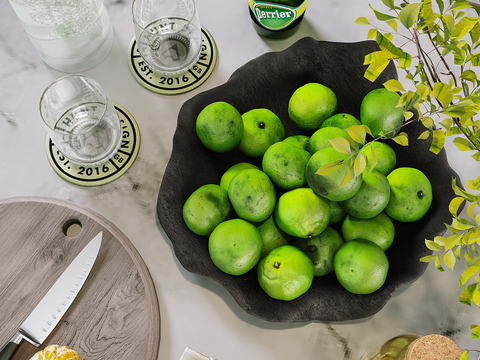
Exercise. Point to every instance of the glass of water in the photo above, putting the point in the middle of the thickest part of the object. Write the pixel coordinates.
(80, 120)
(168, 34)
(70, 36)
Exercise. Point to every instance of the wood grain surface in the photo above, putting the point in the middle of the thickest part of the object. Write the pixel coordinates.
(115, 315)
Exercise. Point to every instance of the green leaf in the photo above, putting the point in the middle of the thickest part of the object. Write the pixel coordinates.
(407, 115)
(474, 235)
(432, 245)
(475, 33)
(455, 204)
(357, 133)
(440, 240)
(467, 294)
(449, 259)
(393, 85)
(404, 59)
(437, 263)
(470, 209)
(469, 75)
(476, 156)
(423, 90)
(409, 14)
(380, 16)
(463, 144)
(448, 23)
(427, 258)
(409, 99)
(428, 122)
(475, 332)
(463, 27)
(327, 169)
(341, 145)
(474, 185)
(424, 135)
(362, 21)
(452, 240)
(372, 33)
(462, 224)
(467, 274)
(464, 355)
(401, 139)
(377, 62)
(347, 177)
(390, 4)
(438, 140)
(474, 59)
(441, 5)
(458, 4)
(443, 93)
(359, 165)
(393, 24)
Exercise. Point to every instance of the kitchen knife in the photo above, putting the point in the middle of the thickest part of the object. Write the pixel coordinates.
(46, 315)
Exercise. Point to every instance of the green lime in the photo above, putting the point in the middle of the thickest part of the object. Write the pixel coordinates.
(379, 229)
(320, 139)
(385, 155)
(302, 213)
(252, 195)
(337, 214)
(329, 186)
(235, 246)
(262, 128)
(285, 165)
(234, 170)
(380, 113)
(410, 194)
(285, 273)
(300, 141)
(371, 198)
(272, 235)
(340, 120)
(310, 105)
(205, 208)
(361, 266)
(219, 127)
(321, 249)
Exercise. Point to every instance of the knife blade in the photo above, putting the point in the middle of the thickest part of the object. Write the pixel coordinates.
(46, 315)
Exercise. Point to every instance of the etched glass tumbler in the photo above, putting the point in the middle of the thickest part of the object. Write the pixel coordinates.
(80, 120)
(168, 34)
(69, 35)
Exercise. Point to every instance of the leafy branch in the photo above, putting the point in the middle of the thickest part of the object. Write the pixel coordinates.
(444, 38)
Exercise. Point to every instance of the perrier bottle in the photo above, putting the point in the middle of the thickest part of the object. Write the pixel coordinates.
(277, 18)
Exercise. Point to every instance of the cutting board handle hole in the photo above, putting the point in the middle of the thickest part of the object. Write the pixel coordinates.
(72, 228)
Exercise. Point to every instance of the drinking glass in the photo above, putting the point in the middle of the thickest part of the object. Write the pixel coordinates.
(69, 36)
(80, 120)
(168, 34)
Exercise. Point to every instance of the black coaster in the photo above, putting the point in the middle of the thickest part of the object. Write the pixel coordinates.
(174, 84)
(108, 171)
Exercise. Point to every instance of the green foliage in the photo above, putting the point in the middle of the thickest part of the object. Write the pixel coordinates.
(437, 45)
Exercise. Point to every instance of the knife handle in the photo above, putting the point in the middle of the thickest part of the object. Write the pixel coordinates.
(7, 352)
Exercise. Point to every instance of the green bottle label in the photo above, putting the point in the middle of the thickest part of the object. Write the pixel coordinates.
(276, 16)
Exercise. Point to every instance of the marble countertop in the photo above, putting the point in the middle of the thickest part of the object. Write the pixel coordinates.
(195, 311)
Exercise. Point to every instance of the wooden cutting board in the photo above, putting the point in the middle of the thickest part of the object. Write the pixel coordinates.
(115, 315)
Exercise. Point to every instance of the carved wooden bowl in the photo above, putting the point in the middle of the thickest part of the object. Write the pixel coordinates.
(268, 82)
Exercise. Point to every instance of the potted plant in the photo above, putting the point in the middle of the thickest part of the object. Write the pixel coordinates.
(437, 45)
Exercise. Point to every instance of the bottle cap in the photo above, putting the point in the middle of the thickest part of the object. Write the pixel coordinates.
(434, 347)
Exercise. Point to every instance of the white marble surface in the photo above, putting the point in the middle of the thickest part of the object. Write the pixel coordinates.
(195, 311)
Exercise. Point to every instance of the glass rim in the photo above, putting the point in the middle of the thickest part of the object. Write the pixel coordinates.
(135, 22)
(99, 87)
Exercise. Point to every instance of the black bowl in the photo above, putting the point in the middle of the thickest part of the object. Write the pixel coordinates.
(268, 82)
